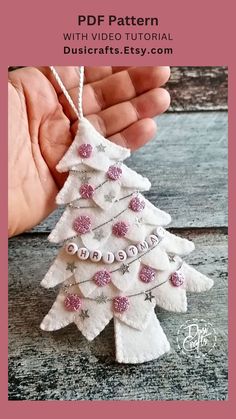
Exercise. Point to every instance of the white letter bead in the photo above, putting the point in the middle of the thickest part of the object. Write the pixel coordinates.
(108, 257)
(95, 255)
(131, 251)
(152, 240)
(71, 248)
(120, 256)
(160, 232)
(142, 246)
(83, 253)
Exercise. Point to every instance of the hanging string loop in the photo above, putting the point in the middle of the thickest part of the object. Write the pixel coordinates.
(79, 109)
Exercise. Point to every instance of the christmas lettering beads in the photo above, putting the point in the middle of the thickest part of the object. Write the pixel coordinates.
(120, 255)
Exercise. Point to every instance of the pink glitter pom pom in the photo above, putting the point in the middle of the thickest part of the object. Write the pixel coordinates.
(82, 224)
(137, 204)
(72, 302)
(120, 304)
(147, 274)
(85, 150)
(102, 278)
(114, 172)
(120, 229)
(177, 279)
(86, 191)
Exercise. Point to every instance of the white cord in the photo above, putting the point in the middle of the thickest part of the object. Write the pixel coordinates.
(80, 71)
(79, 111)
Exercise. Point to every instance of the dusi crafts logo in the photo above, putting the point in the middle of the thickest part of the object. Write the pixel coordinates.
(196, 337)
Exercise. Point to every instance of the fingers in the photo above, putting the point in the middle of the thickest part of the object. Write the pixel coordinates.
(120, 101)
(122, 86)
(69, 75)
(118, 117)
(116, 88)
(112, 86)
(127, 84)
(70, 78)
(92, 74)
(136, 135)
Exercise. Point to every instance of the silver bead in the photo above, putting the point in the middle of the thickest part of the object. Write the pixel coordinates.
(120, 256)
(142, 246)
(131, 251)
(108, 257)
(71, 248)
(83, 253)
(152, 240)
(95, 255)
(160, 232)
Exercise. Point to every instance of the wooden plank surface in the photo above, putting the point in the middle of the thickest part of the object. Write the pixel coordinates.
(64, 366)
(196, 88)
(187, 165)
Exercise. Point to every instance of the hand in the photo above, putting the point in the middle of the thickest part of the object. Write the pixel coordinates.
(118, 101)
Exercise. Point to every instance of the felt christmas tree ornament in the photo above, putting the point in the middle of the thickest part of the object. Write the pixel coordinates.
(117, 260)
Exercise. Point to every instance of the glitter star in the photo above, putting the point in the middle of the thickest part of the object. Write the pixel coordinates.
(84, 177)
(70, 266)
(84, 314)
(148, 296)
(99, 235)
(109, 197)
(101, 299)
(138, 221)
(101, 148)
(124, 268)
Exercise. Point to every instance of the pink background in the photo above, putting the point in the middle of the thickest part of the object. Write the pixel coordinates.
(31, 35)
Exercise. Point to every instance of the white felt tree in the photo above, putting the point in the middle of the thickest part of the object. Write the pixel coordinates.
(117, 260)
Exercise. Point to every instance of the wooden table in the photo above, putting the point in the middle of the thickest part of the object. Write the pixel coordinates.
(187, 165)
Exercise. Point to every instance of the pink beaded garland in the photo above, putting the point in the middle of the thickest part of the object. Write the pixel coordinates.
(82, 224)
(120, 229)
(72, 302)
(85, 150)
(147, 274)
(102, 278)
(86, 191)
(114, 172)
(136, 204)
(177, 279)
(121, 304)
